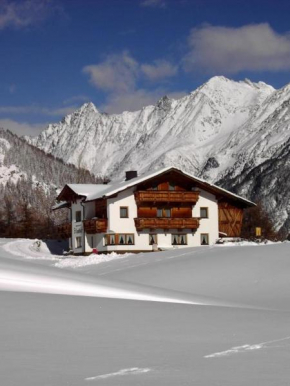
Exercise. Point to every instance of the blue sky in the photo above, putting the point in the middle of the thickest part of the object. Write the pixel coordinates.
(124, 54)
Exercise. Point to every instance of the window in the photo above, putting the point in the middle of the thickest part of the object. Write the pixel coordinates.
(204, 239)
(111, 240)
(163, 212)
(152, 238)
(122, 239)
(124, 212)
(78, 216)
(129, 239)
(203, 212)
(78, 242)
(171, 186)
(178, 239)
(119, 239)
(155, 186)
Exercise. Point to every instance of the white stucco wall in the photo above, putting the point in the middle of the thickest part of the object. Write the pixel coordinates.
(206, 225)
(77, 227)
(127, 225)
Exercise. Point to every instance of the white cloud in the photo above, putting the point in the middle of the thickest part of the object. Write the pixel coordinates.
(135, 100)
(117, 72)
(21, 14)
(119, 76)
(76, 98)
(161, 69)
(131, 101)
(37, 110)
(254, 47)
(22, 128)
(121, 72)
(153, 3)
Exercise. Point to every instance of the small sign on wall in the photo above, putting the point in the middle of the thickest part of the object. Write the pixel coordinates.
(78, 229)
(258, 232)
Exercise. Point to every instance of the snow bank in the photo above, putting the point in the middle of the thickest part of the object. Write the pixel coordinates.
(245, 243)
(82, 261)
(29, 249)
(38, 250)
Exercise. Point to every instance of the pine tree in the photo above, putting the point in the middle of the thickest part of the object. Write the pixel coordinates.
(257, 217)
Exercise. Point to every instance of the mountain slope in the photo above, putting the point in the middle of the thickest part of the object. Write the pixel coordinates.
(222, 131)
(29, 180)
(155, 134)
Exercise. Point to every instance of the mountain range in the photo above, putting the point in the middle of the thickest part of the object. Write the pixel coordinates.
(236, 134)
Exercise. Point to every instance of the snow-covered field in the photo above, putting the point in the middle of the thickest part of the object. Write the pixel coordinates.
(198, 316)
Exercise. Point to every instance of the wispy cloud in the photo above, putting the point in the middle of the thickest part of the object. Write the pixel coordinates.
(21, 14)
(136, 99)
(160, 69)
(153, 3)
(76, 99)
(17, 110)
(119, 76)
(117, 72)
(255, 47)
(22, 128)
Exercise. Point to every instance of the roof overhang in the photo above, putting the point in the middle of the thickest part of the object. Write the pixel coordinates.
(218, 191)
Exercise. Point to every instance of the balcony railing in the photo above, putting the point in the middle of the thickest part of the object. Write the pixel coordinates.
(64, 230)
(95, 225)
(166, 223)
(143, 196)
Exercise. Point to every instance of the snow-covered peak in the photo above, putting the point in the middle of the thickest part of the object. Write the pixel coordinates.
(88, 108)
(224, 128)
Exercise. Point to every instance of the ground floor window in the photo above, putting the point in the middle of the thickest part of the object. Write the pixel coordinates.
(119, 239)
(204, 239)
(178, 239)
(153, 238)
(78, 242)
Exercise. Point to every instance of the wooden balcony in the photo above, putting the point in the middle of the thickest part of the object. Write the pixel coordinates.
(164, 196)
(64, 230)
(166, 223)
(95, 225)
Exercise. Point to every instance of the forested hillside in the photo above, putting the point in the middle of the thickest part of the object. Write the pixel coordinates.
(29, 183)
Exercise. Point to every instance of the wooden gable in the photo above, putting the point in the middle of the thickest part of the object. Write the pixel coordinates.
(230, 218)
(171, 180)
(67, 194)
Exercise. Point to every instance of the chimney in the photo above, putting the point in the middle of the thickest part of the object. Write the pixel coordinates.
(131, 174)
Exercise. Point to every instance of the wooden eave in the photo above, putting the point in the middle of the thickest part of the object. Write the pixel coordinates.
(67, 194)
(220, 193)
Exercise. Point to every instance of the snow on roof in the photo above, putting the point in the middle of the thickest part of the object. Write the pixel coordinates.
(87, 189)
(61, 204)
(95, 191)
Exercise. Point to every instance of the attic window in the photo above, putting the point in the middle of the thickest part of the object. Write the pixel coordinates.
(155, 186)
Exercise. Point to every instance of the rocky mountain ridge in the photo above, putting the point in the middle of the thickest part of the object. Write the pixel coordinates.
(225, 131)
